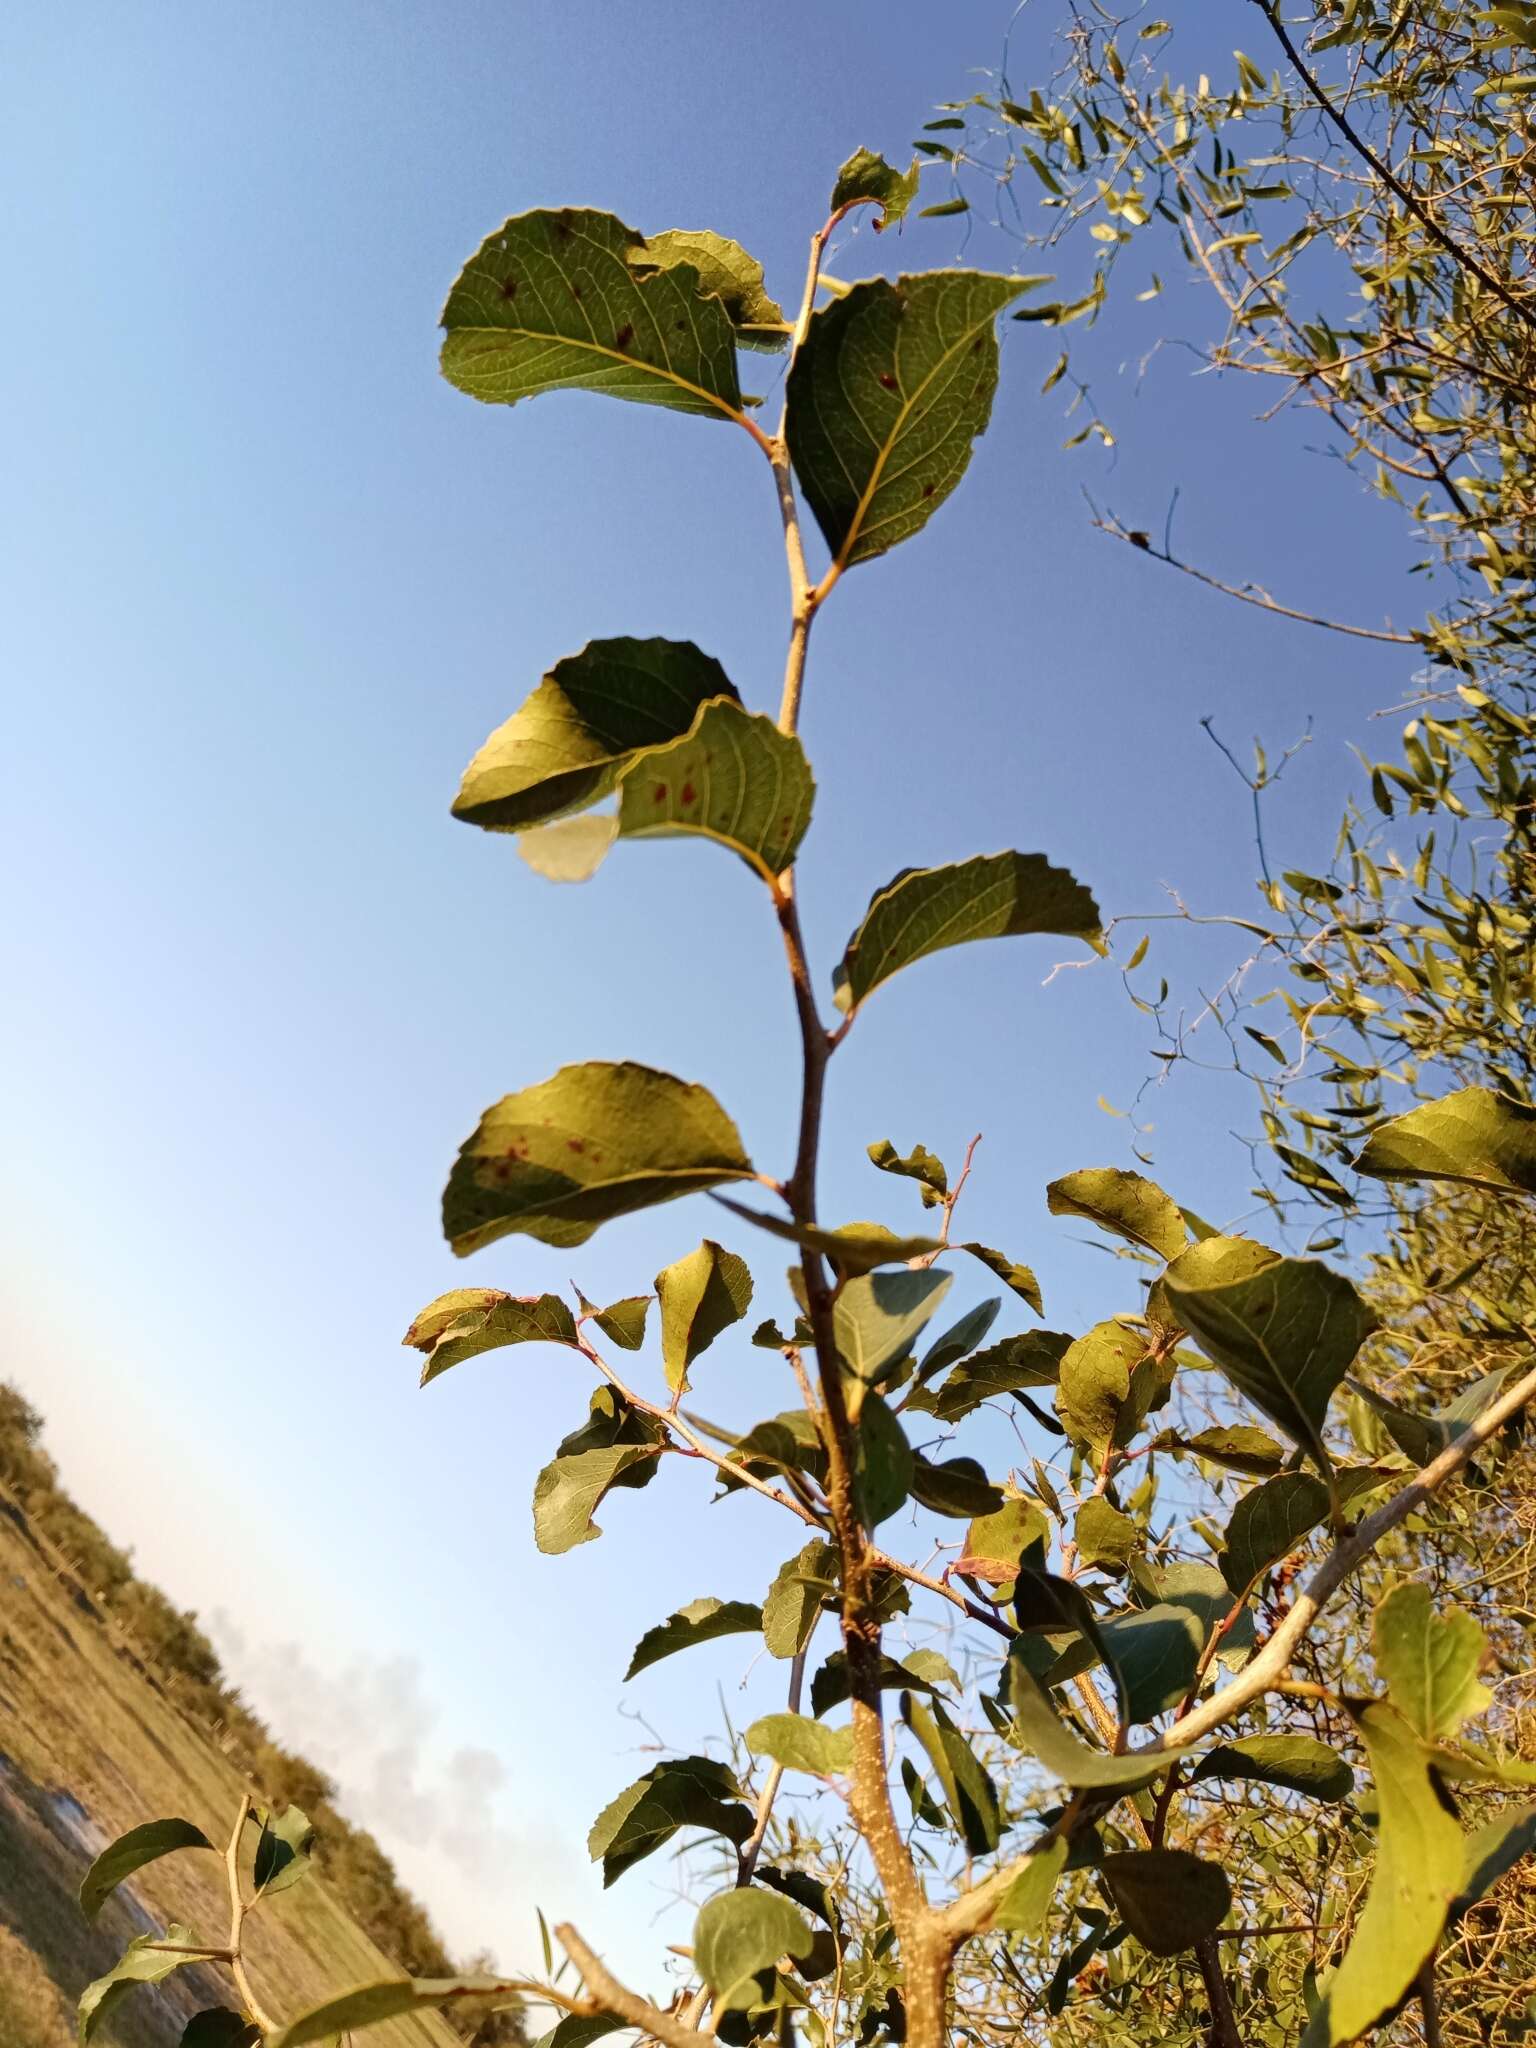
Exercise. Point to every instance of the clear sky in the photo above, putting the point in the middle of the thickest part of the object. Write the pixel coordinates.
(268, 582)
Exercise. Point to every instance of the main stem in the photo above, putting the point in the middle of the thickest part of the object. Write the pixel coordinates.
(926, 1949)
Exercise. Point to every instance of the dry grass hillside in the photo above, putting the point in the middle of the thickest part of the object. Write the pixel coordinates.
(91, 1745)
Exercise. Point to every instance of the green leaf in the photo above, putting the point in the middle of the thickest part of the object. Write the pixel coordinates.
(853, 1247)
(1169, 1899)
(284, 1849)
(1424, 1437)
(217, 2026)
(1242, 1448)
(1155, 1651)
(371, 2004)
(1269, 1523)
(1429, 1663)
(920, 1165)
(1126, 1204)
(969, 1792)
(1046, 1604)
(569, 849)
(623, 1322)
(1041, 1733)
(593, 1142)
(144, 1961)
(1201, 1588)
(700, 1296)
(1493, 1851)
(866, 176)
(994, 896)
(569, 1491)
(877, 1316)
(890, 387)
(485, 1320)
(996, 1544)
(1094, 1391)
(1420, 1868)
(580, 2030)
(571, 301)
(884, 1465)
(733, 777)
(1103, 1534)
(1475, 1136)
(801, 1744)
(701, 1621)
(682, 1792)
(740, 1932)
(959, 1340)
(1020, 1278)
(734, 277)
(794, 1600)
(594, 713)
(958, 1487)
(1023, 1907)
(1297, 1763)
(131, 1852)
(1283, 1331)
(1031, 1360)
(919, 1671)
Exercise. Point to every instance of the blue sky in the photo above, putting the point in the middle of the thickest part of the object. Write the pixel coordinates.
(268, 582)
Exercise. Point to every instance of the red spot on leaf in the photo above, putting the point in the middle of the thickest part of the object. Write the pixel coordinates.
(509, 287)
(659, 793)
(575, 291)
(887, 380)
(928, 490)
(575, 1145)
(688, 792)
(624, 337)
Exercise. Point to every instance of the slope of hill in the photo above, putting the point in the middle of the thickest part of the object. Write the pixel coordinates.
(92, 1742)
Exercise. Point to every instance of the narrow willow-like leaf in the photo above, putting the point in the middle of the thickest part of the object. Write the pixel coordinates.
(1429, 1662)
(130, 1853)
(1168, 1898)
(572, 301)
(740, 1932)
(867, 176)
(701, 1621)
(592, 1142)
(994, 896)
(567, 745)
(1128, 1204)
(960, 1339)
(733, 777)
(1296, 1763)
(372, 2004)
(682, 1792)
(1424, 1437)
(801, 1744)
(890, 388)
(1476, 1136)
(726, 270)
(1420, 1867)
(486, 1321)
(700, 1296)
(1284, 1331)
